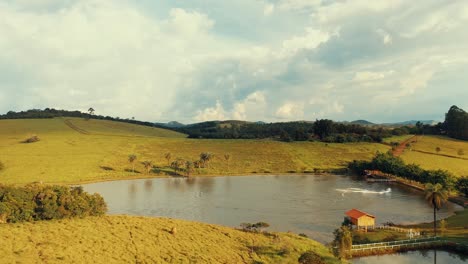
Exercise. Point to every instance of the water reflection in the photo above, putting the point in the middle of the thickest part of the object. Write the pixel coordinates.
(414, 257)
(148, 186)
(302, 204)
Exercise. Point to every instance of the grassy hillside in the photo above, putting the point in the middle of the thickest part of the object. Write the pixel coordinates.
(423, 152)
(98, 150)
(125, 239)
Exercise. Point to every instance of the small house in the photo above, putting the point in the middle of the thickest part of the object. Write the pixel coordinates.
(360, 219)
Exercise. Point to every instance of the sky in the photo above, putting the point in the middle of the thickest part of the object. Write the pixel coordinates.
(255, 60)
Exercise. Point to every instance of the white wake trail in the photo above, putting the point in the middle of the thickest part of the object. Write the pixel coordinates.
(359, 190)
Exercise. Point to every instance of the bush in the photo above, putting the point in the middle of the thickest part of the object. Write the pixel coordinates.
(254, 227)
(31, 139)
(462, 185)
(310, 257)
(42, 202)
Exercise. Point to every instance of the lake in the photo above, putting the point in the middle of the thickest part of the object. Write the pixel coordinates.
(309, 204)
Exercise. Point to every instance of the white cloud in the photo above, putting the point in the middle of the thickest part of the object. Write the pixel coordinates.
(211, 113)
(310, 40)
(366, 76)
(291, 111)
(269, 9)
(252, 108)
(386, 37)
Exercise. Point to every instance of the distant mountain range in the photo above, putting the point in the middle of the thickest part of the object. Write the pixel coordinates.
(175, 124)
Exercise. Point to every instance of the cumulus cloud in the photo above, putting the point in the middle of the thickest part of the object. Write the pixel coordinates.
(211, 113)
(291, 111)
(158, 61)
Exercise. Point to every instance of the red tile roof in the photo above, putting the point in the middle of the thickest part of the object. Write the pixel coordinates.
(354, 213)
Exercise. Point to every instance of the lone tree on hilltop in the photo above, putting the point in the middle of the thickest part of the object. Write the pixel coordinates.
(131, 159)
(436, 195)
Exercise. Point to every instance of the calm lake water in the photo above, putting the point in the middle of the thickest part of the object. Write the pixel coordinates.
(414, 257)
(310, 204)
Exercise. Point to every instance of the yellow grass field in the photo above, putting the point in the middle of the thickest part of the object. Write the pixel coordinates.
(73, 150)
(446, 159)
(129, 239)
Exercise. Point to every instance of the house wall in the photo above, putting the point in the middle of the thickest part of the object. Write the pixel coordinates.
(366, 221)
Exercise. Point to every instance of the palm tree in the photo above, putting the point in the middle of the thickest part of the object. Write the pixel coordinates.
(227, 157)
(205, 158)
(168, 157)
(436, 195)
(188, 167)
(148, 165)
(131, 159)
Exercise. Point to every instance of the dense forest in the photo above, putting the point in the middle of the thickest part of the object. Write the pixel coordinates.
(321, 130)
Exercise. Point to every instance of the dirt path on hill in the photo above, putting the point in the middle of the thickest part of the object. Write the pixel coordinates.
(399, 150)
(77, 129)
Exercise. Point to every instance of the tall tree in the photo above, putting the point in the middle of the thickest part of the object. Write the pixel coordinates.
(188, 167)
(205, 158)
(168, 157)
(131, 159)
(148, 164)
(323, 128)
(436, 195)
(91, 111)
(456, 123)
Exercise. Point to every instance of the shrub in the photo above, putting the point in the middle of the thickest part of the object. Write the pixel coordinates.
(310, 257)
(42, 202)
(254, 227)
(31, 139)
(461, 152)
(462, 185)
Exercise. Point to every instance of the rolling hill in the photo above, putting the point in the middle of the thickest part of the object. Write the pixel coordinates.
(73, 150)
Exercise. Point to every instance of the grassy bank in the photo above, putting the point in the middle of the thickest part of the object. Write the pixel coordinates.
(125, 239)
(74, 150)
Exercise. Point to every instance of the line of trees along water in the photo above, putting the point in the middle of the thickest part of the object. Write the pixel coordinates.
(387, 163)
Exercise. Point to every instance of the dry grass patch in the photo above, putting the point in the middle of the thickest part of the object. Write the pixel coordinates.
(125, 239)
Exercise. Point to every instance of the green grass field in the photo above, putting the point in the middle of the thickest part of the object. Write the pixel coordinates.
(125, 239)
(74, 150)
(398, 139)
(447, 158)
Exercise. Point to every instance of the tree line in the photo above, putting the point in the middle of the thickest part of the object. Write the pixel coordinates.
(35, 202)
(387, 163)
(52, 113)
(321, 130)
